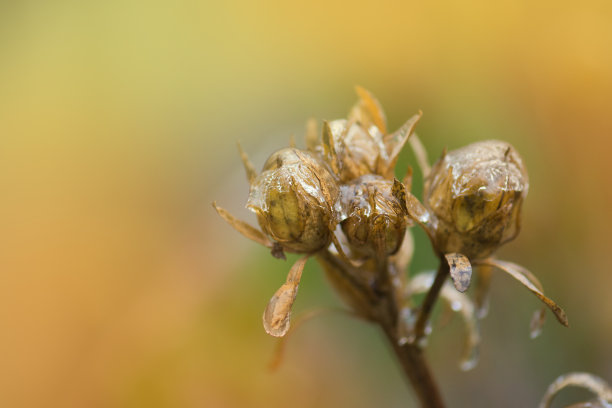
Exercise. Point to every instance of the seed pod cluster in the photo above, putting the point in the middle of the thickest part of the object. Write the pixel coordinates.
(338, 199)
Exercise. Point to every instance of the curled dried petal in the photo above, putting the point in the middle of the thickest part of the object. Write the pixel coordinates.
(530, 282)
(242, 227)
(421, 155)
(277, 316)
(312, 138)
(585, 380)
(368, 110)
(395, 142)
(421, 215)
(460, 270)
(248, 166)
(403, 256)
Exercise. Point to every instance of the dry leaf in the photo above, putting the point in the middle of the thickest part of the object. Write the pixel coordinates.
(248, 166)
(277, 316)
(530, 282)
(421, 155)
(460, 270)
(369, 111)
(312, 137)
(245, 229)
(396, 141)
(584, 380)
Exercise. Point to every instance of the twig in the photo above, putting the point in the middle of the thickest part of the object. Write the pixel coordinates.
(383, 309)
(430, 300)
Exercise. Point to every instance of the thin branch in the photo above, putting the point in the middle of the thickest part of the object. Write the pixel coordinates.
(430, 300)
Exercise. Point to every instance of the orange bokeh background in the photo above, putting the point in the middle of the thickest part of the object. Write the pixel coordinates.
(119, 285)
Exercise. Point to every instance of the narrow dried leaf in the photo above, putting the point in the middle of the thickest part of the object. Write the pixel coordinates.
(312, 137)
(591, 404)
(372, 107)
(585, 380)
(460, 270)
(248, 166)
(277, 316)
(420, 214)
(421, 155)
(403, 256)
(396, 141)
(530, 282)
(537, 322)
(483, 284)
(329, 148)
(342, 252)
(292, 141)
(407, 180)
(242, 227)
(460, 303)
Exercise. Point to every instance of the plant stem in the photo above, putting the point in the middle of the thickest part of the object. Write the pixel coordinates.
(417, 371)
(382, 308)
(430, 300)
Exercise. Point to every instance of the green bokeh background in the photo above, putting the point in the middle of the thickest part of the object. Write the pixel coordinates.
(119, 285)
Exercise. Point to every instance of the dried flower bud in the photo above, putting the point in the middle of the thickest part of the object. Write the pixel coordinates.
(360, 145)
(372, 215)
(356, 148)
(293, 198)
(476, 193)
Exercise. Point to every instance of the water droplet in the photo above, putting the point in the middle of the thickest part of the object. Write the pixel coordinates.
(456, 306)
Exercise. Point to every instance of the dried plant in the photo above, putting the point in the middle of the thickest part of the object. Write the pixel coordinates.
(338, 201)
(583, 380)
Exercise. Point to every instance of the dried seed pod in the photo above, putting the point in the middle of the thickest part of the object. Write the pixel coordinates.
(372, 216)
(293, 199)
(476, 193)
(360, 145)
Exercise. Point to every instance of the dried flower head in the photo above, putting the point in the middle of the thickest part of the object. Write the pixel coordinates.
(360, 144)
(476, 193)
(372, 217)
(341, 190)
(293, 199)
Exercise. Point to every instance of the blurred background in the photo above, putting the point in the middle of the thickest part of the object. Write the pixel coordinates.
(120, 286)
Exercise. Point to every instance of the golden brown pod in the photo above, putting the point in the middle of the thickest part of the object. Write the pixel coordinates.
(372, 216)
(476, 194)
(360, 145)
(293, 199)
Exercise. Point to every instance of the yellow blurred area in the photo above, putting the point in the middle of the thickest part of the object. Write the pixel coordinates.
(120, 286)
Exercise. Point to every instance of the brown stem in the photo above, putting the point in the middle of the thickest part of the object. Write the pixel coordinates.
(430, 300)
(382, 307)
(413, 362)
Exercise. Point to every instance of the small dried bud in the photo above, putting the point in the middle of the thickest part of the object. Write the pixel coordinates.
(360, 145)
(373, 219)
(293, 198)
(358, 150)
(476, 193)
